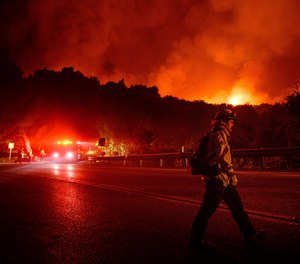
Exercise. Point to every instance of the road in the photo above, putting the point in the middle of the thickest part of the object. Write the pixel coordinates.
(81, 213)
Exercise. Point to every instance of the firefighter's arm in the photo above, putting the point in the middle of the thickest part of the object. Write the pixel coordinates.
(223, 152)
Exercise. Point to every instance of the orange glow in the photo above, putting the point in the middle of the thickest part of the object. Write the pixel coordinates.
(240, 96)
(195, 50)
(244, 92)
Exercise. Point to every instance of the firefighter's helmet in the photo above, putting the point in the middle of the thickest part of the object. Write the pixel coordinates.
(225, 114)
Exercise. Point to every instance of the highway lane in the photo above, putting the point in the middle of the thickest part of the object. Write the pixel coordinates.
(62, 213)
(272, 193)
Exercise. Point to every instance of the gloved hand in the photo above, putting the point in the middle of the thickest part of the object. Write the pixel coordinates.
(230, 172)
(233, 180)
(232, 176)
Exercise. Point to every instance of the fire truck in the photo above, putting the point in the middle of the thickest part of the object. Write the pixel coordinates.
(63, 151)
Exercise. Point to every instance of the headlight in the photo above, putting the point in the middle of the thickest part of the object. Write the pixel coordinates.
(69, 155)
(55, 155)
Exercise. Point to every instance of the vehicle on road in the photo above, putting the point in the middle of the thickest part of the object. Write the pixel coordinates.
(63, 151)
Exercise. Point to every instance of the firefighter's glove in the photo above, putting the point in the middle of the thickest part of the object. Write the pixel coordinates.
(230, 172)
(232, 176)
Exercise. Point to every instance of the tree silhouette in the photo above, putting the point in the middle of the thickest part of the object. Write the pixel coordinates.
(47, 104)
(292, 104)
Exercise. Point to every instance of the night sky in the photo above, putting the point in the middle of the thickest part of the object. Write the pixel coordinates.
(214, 50)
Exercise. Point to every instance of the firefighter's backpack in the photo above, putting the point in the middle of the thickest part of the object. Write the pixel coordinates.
(197, 163)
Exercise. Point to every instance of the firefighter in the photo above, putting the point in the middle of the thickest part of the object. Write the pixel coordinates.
(222, 186)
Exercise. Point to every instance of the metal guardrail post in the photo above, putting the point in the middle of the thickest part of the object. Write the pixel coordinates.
(186, 162)
(161, 162)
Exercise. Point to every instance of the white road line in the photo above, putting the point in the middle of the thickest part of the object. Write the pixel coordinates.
(275, 217)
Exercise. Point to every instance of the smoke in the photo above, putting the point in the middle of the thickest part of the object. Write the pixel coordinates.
(214, 50)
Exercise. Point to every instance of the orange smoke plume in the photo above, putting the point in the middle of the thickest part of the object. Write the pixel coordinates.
(213, 50)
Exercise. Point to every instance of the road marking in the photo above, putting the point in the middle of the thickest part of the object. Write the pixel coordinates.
(140, 192)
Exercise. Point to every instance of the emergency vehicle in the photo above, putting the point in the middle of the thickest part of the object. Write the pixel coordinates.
(63, 151)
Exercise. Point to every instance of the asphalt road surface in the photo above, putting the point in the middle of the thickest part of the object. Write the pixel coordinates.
(81, 213)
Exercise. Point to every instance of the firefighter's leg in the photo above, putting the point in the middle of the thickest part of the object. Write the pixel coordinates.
(233, 200)
(212, 198)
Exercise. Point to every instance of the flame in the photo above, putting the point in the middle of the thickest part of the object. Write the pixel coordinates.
(244, 93)
(234, 100)
(239, 96)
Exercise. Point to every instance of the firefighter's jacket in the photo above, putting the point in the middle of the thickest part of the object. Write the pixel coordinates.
(219, 153)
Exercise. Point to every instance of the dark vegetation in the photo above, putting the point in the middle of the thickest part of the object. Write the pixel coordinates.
(48, 104)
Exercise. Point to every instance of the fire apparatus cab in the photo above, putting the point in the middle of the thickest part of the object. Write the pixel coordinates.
(63, 151)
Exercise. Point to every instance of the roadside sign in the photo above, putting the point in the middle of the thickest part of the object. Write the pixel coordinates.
(11, 145)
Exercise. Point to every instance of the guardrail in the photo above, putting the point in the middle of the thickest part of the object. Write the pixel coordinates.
(263, 158)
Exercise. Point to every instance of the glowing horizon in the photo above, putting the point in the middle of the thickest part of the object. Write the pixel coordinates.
(189, 49)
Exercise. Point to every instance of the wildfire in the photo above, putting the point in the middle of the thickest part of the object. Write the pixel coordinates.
(241, 95)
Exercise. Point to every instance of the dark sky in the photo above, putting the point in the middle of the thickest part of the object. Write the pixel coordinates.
(216, 50)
